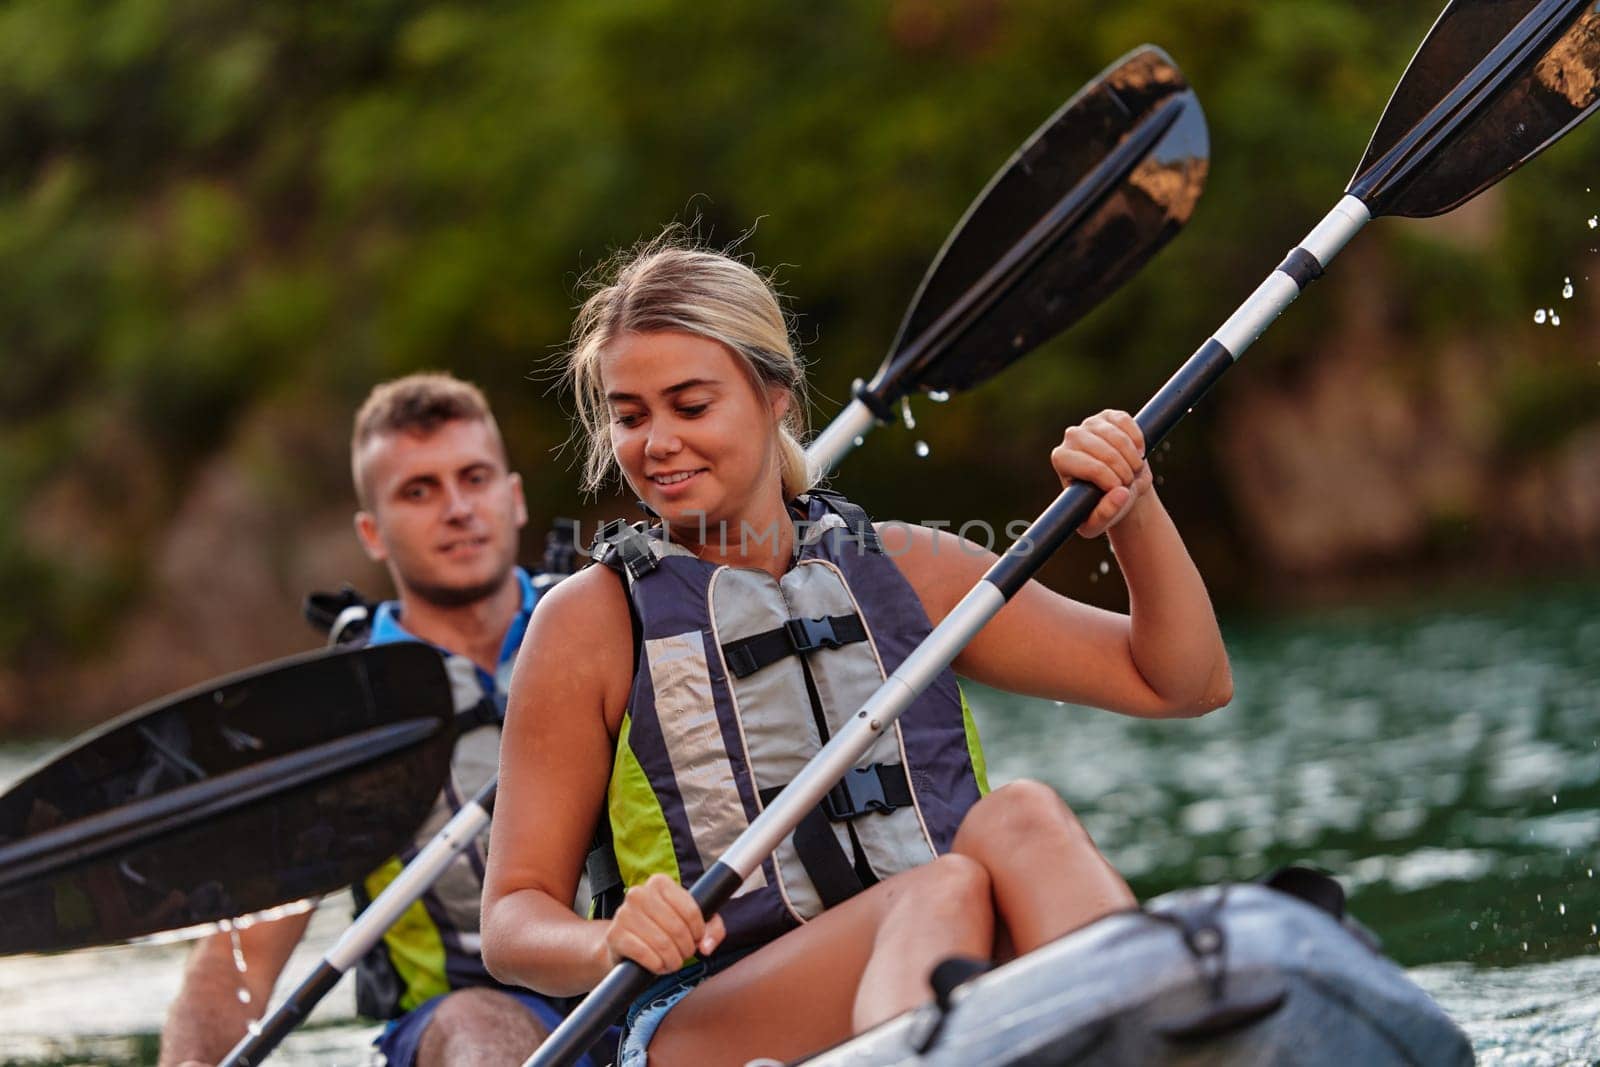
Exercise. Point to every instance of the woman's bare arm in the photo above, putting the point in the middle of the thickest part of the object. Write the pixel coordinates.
(568, 693)
(1164, 658)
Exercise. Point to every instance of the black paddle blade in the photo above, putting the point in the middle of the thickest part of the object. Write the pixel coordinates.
(1083, 204)
(1494, 84)
(243, 794)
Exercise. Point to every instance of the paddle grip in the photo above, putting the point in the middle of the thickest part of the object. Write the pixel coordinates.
(1077, 502)
(257, 1045)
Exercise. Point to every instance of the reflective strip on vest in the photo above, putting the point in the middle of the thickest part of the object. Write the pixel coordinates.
(693, 740)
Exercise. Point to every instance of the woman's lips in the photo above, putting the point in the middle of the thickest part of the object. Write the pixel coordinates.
(675, 482)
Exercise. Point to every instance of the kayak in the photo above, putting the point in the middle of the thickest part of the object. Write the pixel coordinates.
(1240, 974)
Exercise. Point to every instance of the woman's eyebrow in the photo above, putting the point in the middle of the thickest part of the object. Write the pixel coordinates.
(618, 397)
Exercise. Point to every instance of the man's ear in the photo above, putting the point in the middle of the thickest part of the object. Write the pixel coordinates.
(371, 541)
(520, 501)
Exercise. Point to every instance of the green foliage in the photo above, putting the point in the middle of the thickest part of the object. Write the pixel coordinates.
(206, 201)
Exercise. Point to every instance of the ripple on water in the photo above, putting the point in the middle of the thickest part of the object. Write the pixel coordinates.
(1539, 1014)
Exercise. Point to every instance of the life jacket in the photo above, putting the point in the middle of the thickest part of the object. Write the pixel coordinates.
(740, 678)
(435, 946)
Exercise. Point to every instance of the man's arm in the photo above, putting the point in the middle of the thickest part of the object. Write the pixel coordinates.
(208, 1017)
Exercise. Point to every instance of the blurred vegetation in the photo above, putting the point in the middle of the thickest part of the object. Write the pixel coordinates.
(205, 203)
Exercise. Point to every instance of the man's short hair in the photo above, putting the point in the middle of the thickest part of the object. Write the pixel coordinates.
(416, 404)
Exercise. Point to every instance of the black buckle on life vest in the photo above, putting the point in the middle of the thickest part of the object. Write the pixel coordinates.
(795, 637)
(881, 787)
(808, 635)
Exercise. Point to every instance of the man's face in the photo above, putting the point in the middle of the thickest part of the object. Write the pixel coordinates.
(443, 511)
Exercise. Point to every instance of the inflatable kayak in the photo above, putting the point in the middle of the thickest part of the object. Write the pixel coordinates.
(1242, 974)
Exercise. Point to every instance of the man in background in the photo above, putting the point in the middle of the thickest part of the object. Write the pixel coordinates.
(440, 508)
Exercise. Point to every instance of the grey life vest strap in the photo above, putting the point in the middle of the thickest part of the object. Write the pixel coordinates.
(855, 518)
(623, 546)
(605, 878)
(795, 637)
(486, 712)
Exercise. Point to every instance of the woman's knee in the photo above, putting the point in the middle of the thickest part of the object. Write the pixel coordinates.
(1017, 815)
(952, 885)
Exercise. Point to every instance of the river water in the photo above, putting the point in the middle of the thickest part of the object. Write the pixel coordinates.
(1442, 759)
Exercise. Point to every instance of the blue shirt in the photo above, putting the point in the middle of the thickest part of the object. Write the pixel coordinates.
(386, 628)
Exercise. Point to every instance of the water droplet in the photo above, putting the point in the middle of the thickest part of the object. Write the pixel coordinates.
(860, 441)
(1538, 316)
(1594, 221)
(922, 449)
(1562, 908)
(1473, 925)
(905, 413)
(1566, 289)
(1555, 320)
(1524, 946)
(938, 396)
(1539, 897)
(1105, 568)
(254, 1025)
(1019, 340)
(244, 995)
(1593, 929)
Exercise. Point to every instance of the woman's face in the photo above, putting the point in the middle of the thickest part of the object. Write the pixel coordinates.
(695, 438)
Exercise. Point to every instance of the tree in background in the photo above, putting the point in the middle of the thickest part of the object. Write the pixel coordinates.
(221, 221)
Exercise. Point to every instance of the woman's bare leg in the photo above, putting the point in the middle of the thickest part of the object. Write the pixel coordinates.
(854, 965)
(1048, 876)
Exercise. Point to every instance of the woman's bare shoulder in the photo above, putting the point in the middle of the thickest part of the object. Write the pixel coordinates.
(581, 633)
(940, 566)
(591, 603)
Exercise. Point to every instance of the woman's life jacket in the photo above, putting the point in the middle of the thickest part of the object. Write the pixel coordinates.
(740, 678)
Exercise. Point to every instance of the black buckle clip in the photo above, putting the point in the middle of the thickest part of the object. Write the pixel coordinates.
(808, 635)
(858, 792)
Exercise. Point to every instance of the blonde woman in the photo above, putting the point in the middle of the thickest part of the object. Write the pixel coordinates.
(684, 683)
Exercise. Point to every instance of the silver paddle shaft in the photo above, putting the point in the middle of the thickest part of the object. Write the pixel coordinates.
(840, 436)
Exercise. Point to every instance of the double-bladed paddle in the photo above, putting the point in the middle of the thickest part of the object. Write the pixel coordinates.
(1091, 195)
(1101, 186)
(238, 795)
(1493, 84)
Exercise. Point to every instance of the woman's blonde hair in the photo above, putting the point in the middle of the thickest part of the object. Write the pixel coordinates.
(669, 285)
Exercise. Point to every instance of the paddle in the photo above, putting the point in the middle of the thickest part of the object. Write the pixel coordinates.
(1107, 181)
(1494, 83)
(238, 795)
(1074, 213)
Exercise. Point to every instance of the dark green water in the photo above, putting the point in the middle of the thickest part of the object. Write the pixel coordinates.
(1442, 759)
(1444, 762)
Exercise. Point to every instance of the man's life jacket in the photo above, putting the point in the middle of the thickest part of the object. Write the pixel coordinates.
(435, 946)
(740, 678)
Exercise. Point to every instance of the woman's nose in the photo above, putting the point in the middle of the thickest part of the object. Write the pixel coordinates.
(662, 442)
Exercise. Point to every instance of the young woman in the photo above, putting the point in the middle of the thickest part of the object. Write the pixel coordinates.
(680, 687)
